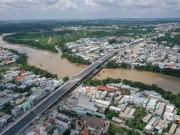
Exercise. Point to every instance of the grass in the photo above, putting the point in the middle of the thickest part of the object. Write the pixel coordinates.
(127, 92)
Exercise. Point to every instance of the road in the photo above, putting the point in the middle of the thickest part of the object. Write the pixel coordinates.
(19, 125)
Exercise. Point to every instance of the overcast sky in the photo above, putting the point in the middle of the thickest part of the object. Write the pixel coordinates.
(88, 9)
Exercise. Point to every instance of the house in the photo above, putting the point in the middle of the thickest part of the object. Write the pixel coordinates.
(95, 125)
(40, 93)
(84, 106)
(151, 105)
(177, 118)
(151, 124)
(122, 115)
(173, 129)
(18, 99)
(105, 88)
(122, 107)
(17, 110)
(3, 100)
(74, 132)
(114, 109)
(147, 118)
(62, 120)
(91, 91)
(26, 106)
(22, 87)
(18, 78)
(32, 99)
(48, 129)
(117, 99)
(131, 113)
(10, 76)
(21, 72)
(117, 120)
(168, 116)
(159, 109)
(170, 108)
(177, 131)
(4, 118)
(161, 125)
(83, 132)
(102, 103)
(125, 99)
(145, 102)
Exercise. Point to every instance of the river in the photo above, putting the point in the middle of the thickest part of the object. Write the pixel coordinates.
(53, 63)
(164, 81)
(46, 60)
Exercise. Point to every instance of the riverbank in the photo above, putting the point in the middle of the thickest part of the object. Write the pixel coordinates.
(166, 82)
(45, 60)
(53, 63)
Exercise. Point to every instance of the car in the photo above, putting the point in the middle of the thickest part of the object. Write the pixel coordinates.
(37, 118)
(31, 123)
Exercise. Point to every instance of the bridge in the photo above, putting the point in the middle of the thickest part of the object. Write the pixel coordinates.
(26, 119)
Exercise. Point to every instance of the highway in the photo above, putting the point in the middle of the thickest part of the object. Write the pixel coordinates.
(20, 124)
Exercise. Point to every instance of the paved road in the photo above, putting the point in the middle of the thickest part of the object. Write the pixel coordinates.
(24, 121)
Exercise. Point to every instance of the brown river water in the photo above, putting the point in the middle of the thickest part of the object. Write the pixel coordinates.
(164, 81)
(53, 63)
(46, 60)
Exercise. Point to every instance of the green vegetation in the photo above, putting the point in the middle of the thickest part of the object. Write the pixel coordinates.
(113, 129)
(7, 108)
(1, 77)
(65, 79)
(113, 41)
(109, 114)
(67, 132)
(17, 39)
(113, 64)
(171, 41)
(75, 59)
(137, 123)
(41, 34)
(157, 69)
(24, 26)
(24, 65)
(173, 98)
(91, 82)
(68, 113)
(127, 92)
(165, 130)
(19, 90)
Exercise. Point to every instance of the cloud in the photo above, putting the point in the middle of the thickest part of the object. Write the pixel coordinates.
(109, 7)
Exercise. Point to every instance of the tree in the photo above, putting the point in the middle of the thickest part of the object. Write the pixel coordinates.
(67, 132)
(1, 77)
(65, 79)
(112, 64)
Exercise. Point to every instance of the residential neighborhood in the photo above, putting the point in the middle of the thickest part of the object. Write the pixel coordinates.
(21, 90)
(6, 57)
(151, 52)
(86, 110)
(96, 96)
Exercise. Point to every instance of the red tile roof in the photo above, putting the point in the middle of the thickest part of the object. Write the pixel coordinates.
(22, 71)
(174, 33)
(92, 121)
(84, 133)
(36, 131)
(45, 125)
(89, 89)
(18, 78)
(105, 88)
(51, 119)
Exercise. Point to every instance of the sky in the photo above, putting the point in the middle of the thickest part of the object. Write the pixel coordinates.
(88, 9)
